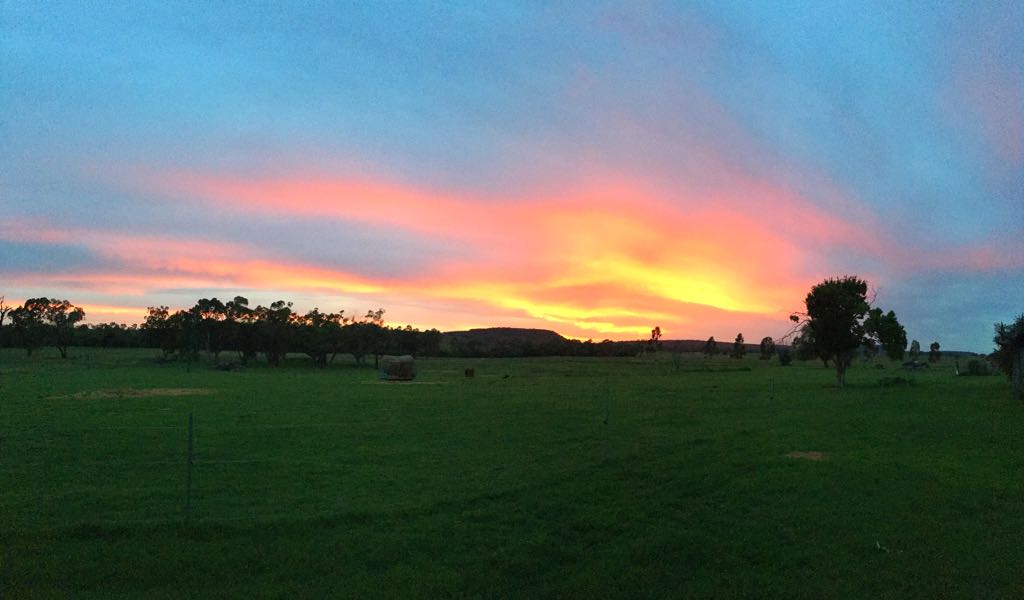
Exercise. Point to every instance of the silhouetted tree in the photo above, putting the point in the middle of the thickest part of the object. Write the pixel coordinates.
(885, 330)
(738, 347)
(109, 335)
(188, 338)
(240, 329)
(1009, 353)
(915, 350)
(403, 340)
(274, 330)
(62, 316)
(212, 314)
(376, 335)
(767, 348)
(430, 343)
(27, 323)
(710, 347)
(934, 354)
(319, 334)
(836, 311)
(654, 344)
(158, 330)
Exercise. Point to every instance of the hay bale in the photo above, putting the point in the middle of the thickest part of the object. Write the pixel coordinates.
(397, 368)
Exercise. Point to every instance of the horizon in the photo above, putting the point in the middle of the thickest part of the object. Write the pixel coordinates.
(595, 173)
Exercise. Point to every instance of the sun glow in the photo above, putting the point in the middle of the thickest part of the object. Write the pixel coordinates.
(604, 259)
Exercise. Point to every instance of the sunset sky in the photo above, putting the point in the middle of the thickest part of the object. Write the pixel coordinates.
(592, 168)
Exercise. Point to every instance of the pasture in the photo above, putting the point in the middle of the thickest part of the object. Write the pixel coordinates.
(549, 477)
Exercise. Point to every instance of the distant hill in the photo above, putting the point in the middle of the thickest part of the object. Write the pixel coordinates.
(497, 334)
(503, 341)
(513, 341)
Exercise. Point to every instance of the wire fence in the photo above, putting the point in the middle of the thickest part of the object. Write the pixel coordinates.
(197, 483)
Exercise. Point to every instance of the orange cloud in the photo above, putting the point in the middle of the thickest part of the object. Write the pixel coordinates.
(536, 255)
(608, 258)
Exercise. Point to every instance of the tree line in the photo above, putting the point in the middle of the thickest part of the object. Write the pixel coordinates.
(839, 324)
(214, 327)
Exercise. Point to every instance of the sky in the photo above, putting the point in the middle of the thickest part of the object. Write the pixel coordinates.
(595, 168)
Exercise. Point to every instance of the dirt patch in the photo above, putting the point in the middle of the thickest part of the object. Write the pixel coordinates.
(132, 393)
(812, 455)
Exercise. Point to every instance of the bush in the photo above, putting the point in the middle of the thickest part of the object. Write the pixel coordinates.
(977, 367)
(785, 356)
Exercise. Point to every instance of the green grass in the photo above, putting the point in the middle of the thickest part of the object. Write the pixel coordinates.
(329, 483)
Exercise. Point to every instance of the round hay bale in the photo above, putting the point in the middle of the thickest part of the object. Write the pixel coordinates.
(397, 368)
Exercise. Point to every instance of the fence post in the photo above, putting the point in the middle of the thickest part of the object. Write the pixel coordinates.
(188, 472)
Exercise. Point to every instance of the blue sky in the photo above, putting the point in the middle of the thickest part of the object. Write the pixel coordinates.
(591, 168)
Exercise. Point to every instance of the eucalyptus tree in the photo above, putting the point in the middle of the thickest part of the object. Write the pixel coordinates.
(839, 319)
(62, 316)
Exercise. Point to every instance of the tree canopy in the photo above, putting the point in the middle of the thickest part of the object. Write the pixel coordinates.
(840, 320)
(1009, 354)
(885, 330)
(738, 347)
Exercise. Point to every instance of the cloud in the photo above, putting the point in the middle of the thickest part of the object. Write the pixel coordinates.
(598, 258)
(595, 171)
(987, 83)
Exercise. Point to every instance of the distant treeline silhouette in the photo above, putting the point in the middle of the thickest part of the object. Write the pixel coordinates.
(269, 333)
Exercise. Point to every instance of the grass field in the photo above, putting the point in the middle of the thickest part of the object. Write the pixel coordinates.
(538, 478)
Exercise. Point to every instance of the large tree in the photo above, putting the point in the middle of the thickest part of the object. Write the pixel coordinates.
(319, 334)
(767, 348)
(241, 333)
(159, 330)
(835, 317)
(27, 323)
(62, 316)
(1009, 353)
(40, 318)
(274, 330)
(211, 314)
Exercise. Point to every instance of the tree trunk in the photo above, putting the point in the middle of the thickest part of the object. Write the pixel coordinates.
(840, 373)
